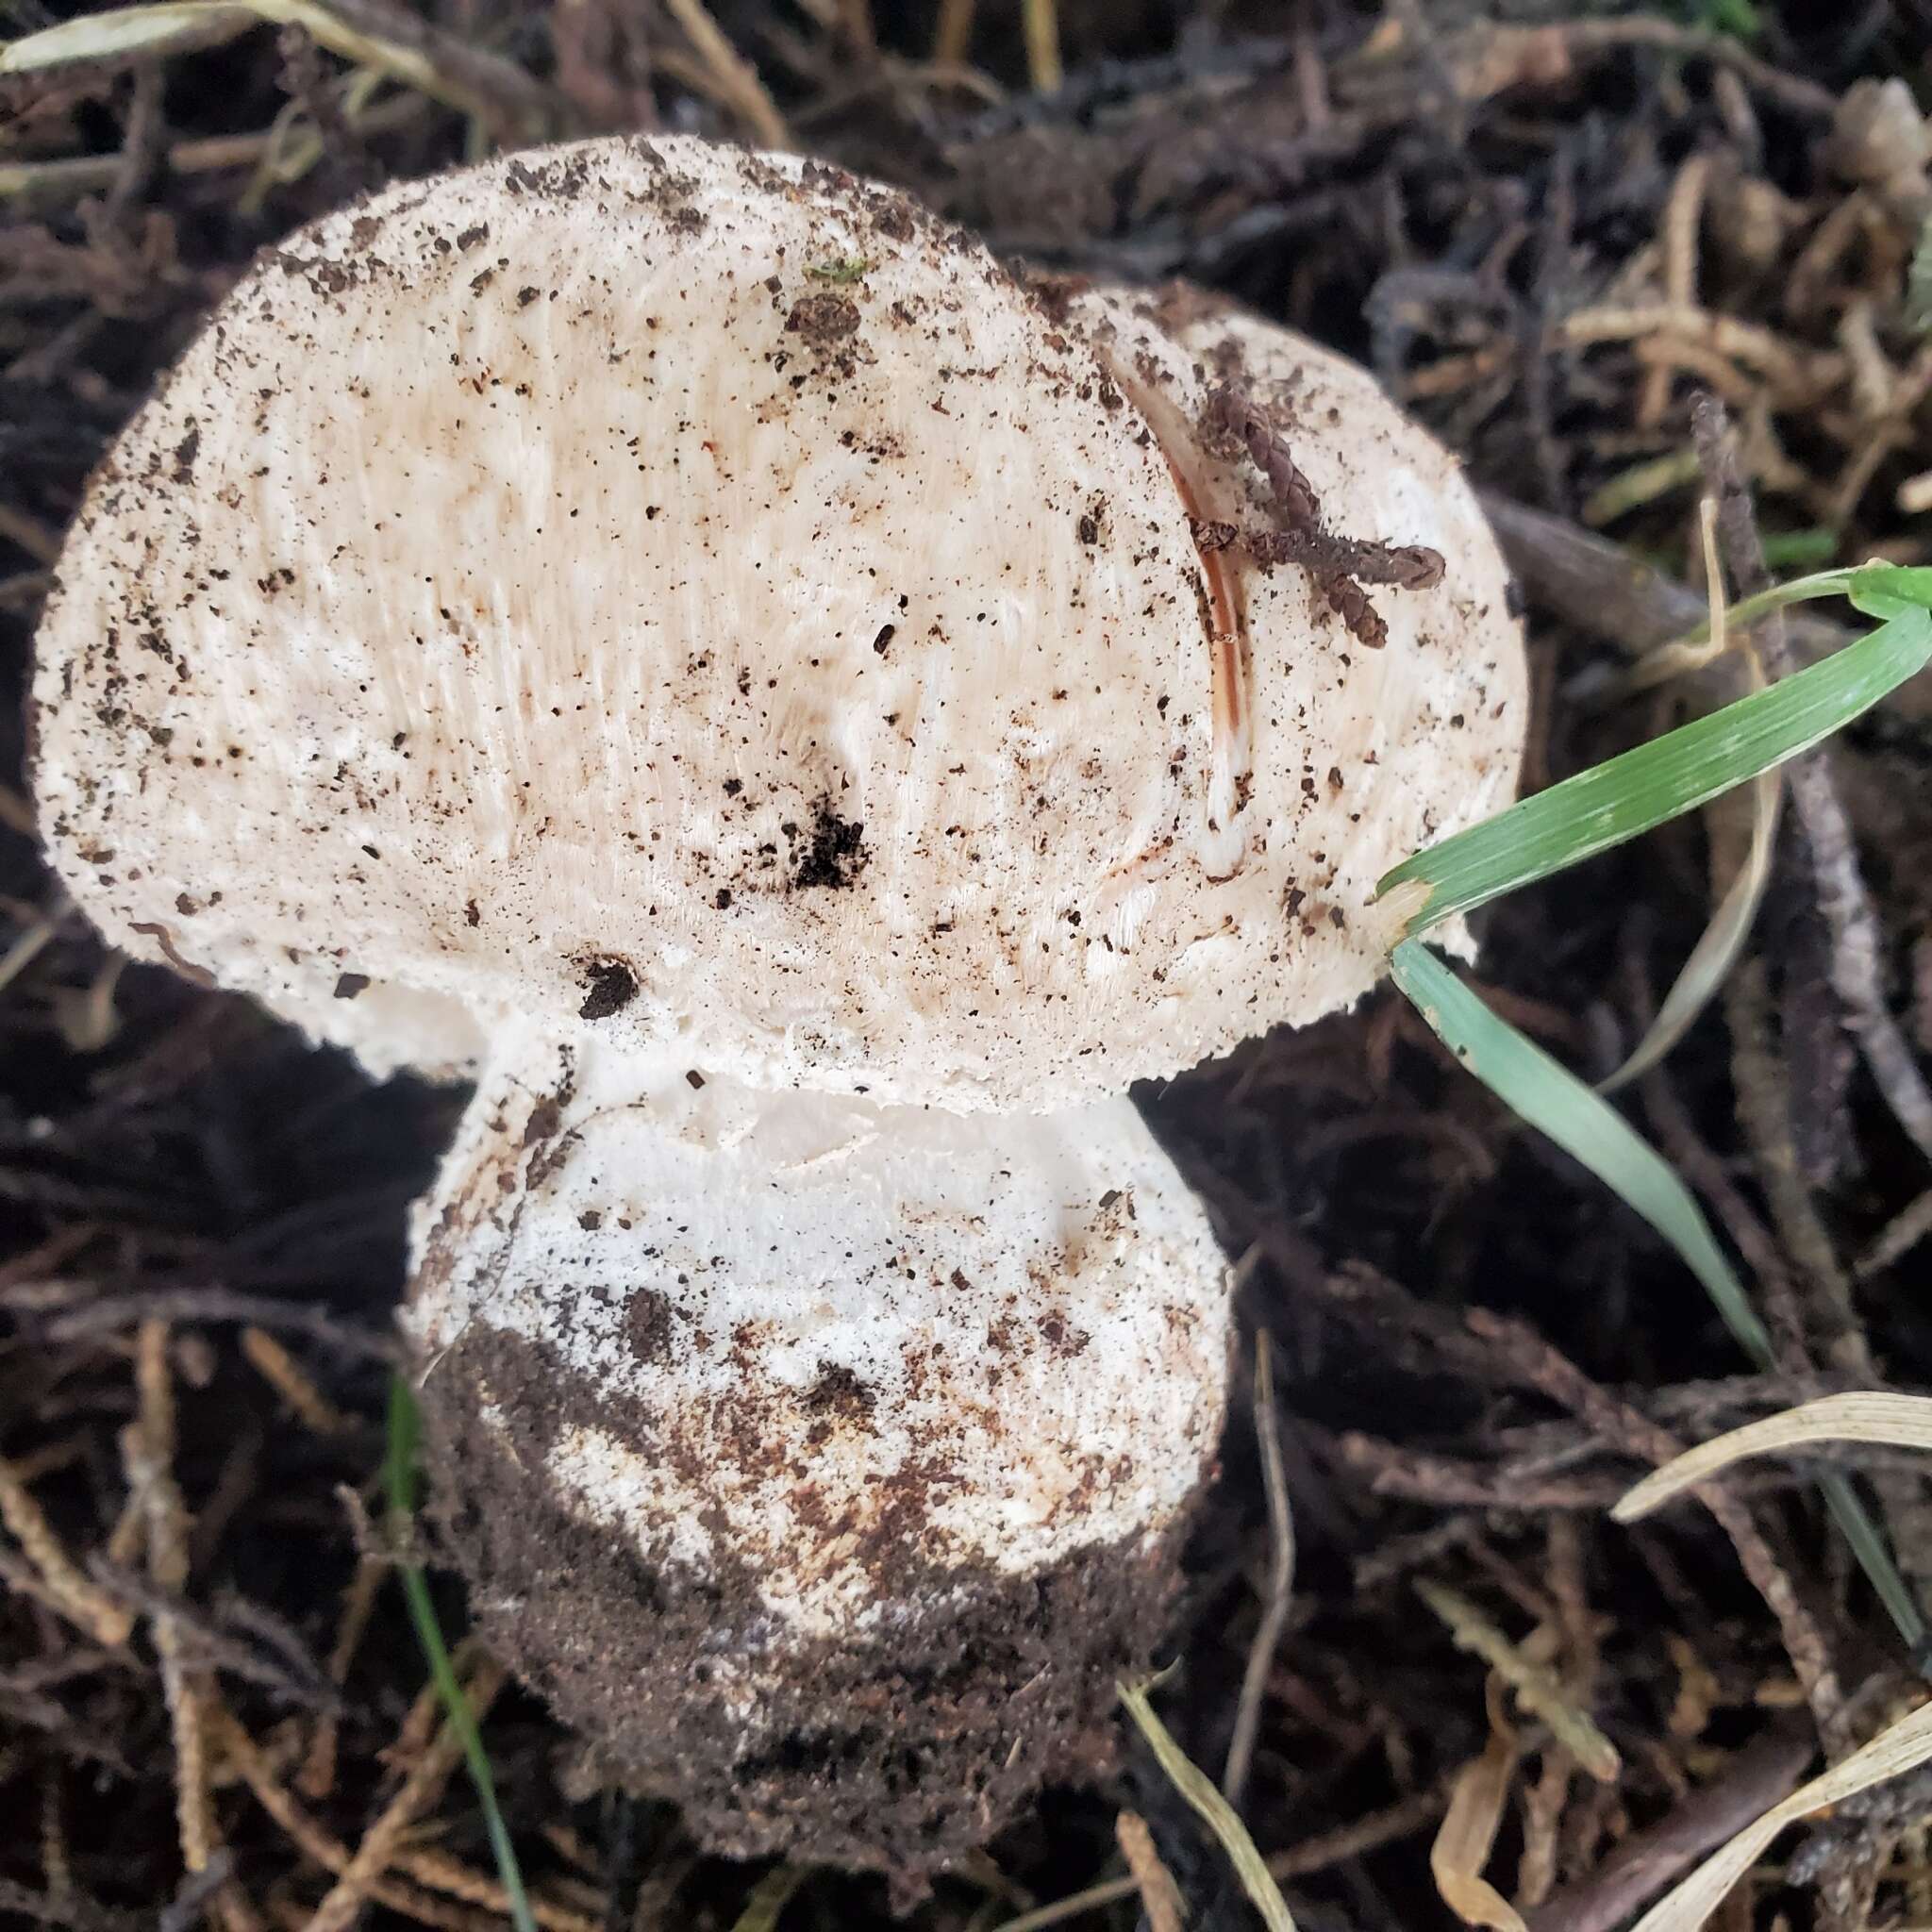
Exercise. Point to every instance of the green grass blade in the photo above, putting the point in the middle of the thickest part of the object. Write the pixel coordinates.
(1580, 1121)
(1874, 1558)
(1683, 768)
(401, 1467)
(1586, 1126)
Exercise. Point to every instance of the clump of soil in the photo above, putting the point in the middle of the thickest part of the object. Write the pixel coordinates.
(830, 852)
(893, 1749)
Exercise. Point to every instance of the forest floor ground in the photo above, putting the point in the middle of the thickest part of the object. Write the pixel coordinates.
(1548, 235)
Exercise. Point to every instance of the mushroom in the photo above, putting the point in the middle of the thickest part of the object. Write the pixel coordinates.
(806, 718)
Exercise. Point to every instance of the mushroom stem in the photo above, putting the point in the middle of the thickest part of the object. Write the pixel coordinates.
(892, 1416)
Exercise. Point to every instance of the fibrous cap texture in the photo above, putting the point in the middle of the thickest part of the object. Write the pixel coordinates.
(697, 598)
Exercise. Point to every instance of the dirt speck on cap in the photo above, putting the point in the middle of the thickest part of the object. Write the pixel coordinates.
(648, 1325)
(832, 854)
(823, 320)
(609, 986)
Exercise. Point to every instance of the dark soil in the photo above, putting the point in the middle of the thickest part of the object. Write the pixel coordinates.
(1547, 237)
(993, 1685)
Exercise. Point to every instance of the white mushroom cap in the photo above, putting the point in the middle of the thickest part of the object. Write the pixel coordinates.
(697, 596)
(825, 1344)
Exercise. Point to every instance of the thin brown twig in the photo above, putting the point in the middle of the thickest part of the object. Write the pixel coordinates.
(109, 1312)
(1638, 1869)
(952, 36)
(1280, 1593)
(147, 1451)
(70, 1909)
(56, 1868)
(419, 1724)
(1092, 1898)
(317, 1776)
(31, 534)
(1801, 377)
(283, 1373)
(510, 101)
(145, 145)
(735, 82)
(66, 1587)
(320, 1846)
(1040, 20)
(40, 187)
(201, 1646)
(439, 1871)
(196, 1893)
(1707, 1172)
(1543, 1804)
(1547, 1369)
(1403, 1819)
(1793, 91)
(1897, 1237)
(1683, 213)
(1764, 1111)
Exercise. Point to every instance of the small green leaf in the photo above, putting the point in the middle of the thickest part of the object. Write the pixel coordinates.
(1624, 796)
(1889, 590)
(1738, 18)
(401, 1469)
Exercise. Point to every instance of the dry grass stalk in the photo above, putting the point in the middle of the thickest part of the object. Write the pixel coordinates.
(1280, 1592)
(324, 1849)
(733, 82)
(1160, 1897)
(66, 1588)
(1536, 1686)
(317, 1778)
(147, 1451)
(283, 1373)
(1683, 212)
(420, 1790)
